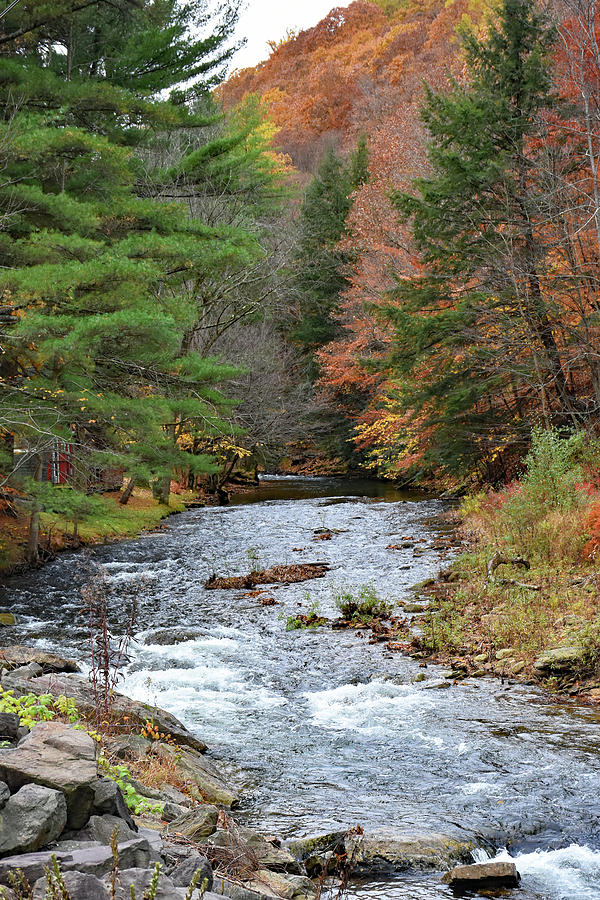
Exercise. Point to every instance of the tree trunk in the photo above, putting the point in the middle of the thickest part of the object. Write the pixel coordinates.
(124, 498)
(33, 535)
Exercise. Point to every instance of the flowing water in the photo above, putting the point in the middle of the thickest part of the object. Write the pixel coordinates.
(321, 729)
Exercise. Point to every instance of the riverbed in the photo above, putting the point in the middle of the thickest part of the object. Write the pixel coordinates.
(321, 729)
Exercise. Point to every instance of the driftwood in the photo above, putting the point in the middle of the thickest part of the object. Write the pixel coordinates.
(277, 575)
(498, 559)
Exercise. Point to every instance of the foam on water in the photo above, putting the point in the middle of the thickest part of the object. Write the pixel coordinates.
(572, 873)
(366, 708)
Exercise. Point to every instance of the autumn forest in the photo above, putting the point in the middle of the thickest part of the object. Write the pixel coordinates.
(378, 251)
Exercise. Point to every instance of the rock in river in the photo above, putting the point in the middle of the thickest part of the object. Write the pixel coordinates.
(483, 875)
(386, 852)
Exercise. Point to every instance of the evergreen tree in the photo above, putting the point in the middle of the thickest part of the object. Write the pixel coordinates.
(100, 255)
(476, 335)
(322, 263)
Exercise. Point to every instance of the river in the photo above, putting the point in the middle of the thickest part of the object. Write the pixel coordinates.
(321, 729)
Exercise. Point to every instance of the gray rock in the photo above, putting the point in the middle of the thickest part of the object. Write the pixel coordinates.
(205, 782)
(31, 670)
(10, 725)
(182, 874)
(268, 855)
(226, 888)
(196, 824)
(59, 757)
(108, 800)
(561, 659)
(175, 796)
(4, 794)
(95, 859)
(288, 887)
(155, 842)
(32, 818)
(320, 853)
(79, 688)
(79, 887)
(386, 852)
(483, 875)
(128, 746)
(17, 656)
(146, 791)
(140, 880)
(265, 885)
(100, 829)
(172, 811)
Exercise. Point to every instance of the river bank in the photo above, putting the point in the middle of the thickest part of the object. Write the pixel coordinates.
(114, 522)
(132, 789)
(322, 730)
(493, 612)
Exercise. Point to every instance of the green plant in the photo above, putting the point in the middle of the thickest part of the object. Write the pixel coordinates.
(588, 638)
(362, 606)
(253, 558)
(19, 885)
(134, 800)
(194, 884)
(33, 708)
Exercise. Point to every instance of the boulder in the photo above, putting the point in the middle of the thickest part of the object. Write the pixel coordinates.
(79, 887)
(265, 885)
(80, 689)
(275, 884)
(155, 842)
(17, 656)
(561, 659)
(386, 852)
(171, 793)
(195, 824)
(483, 875)
(108, 800)
(320, 853)
(172, 811)
(10, 727)
(93, 859)
(128, 746)
(140, 879)
(59, 757)
(205, 782)
(100, 829)
(268, 855)
(4, 794)
(182, 874)
(224, 887)
(32, 818)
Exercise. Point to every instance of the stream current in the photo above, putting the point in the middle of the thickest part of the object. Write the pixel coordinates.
(320, 729)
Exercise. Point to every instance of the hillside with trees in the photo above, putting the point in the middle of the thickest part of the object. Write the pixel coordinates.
(468, 308)
(382, 242)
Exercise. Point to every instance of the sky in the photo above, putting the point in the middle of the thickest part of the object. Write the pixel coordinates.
(266, 20)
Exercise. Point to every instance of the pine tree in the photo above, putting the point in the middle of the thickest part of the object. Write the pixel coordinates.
(476, 335)
(100, 255)
(322, 263)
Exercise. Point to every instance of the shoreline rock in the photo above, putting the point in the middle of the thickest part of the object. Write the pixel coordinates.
(79, 689)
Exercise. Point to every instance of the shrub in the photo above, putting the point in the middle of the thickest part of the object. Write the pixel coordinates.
(34, 708)
(364, 606)
(545, 513)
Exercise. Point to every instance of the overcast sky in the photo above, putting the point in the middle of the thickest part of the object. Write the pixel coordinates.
(268, 20)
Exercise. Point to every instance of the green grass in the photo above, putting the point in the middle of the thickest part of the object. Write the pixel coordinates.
(116, 521)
